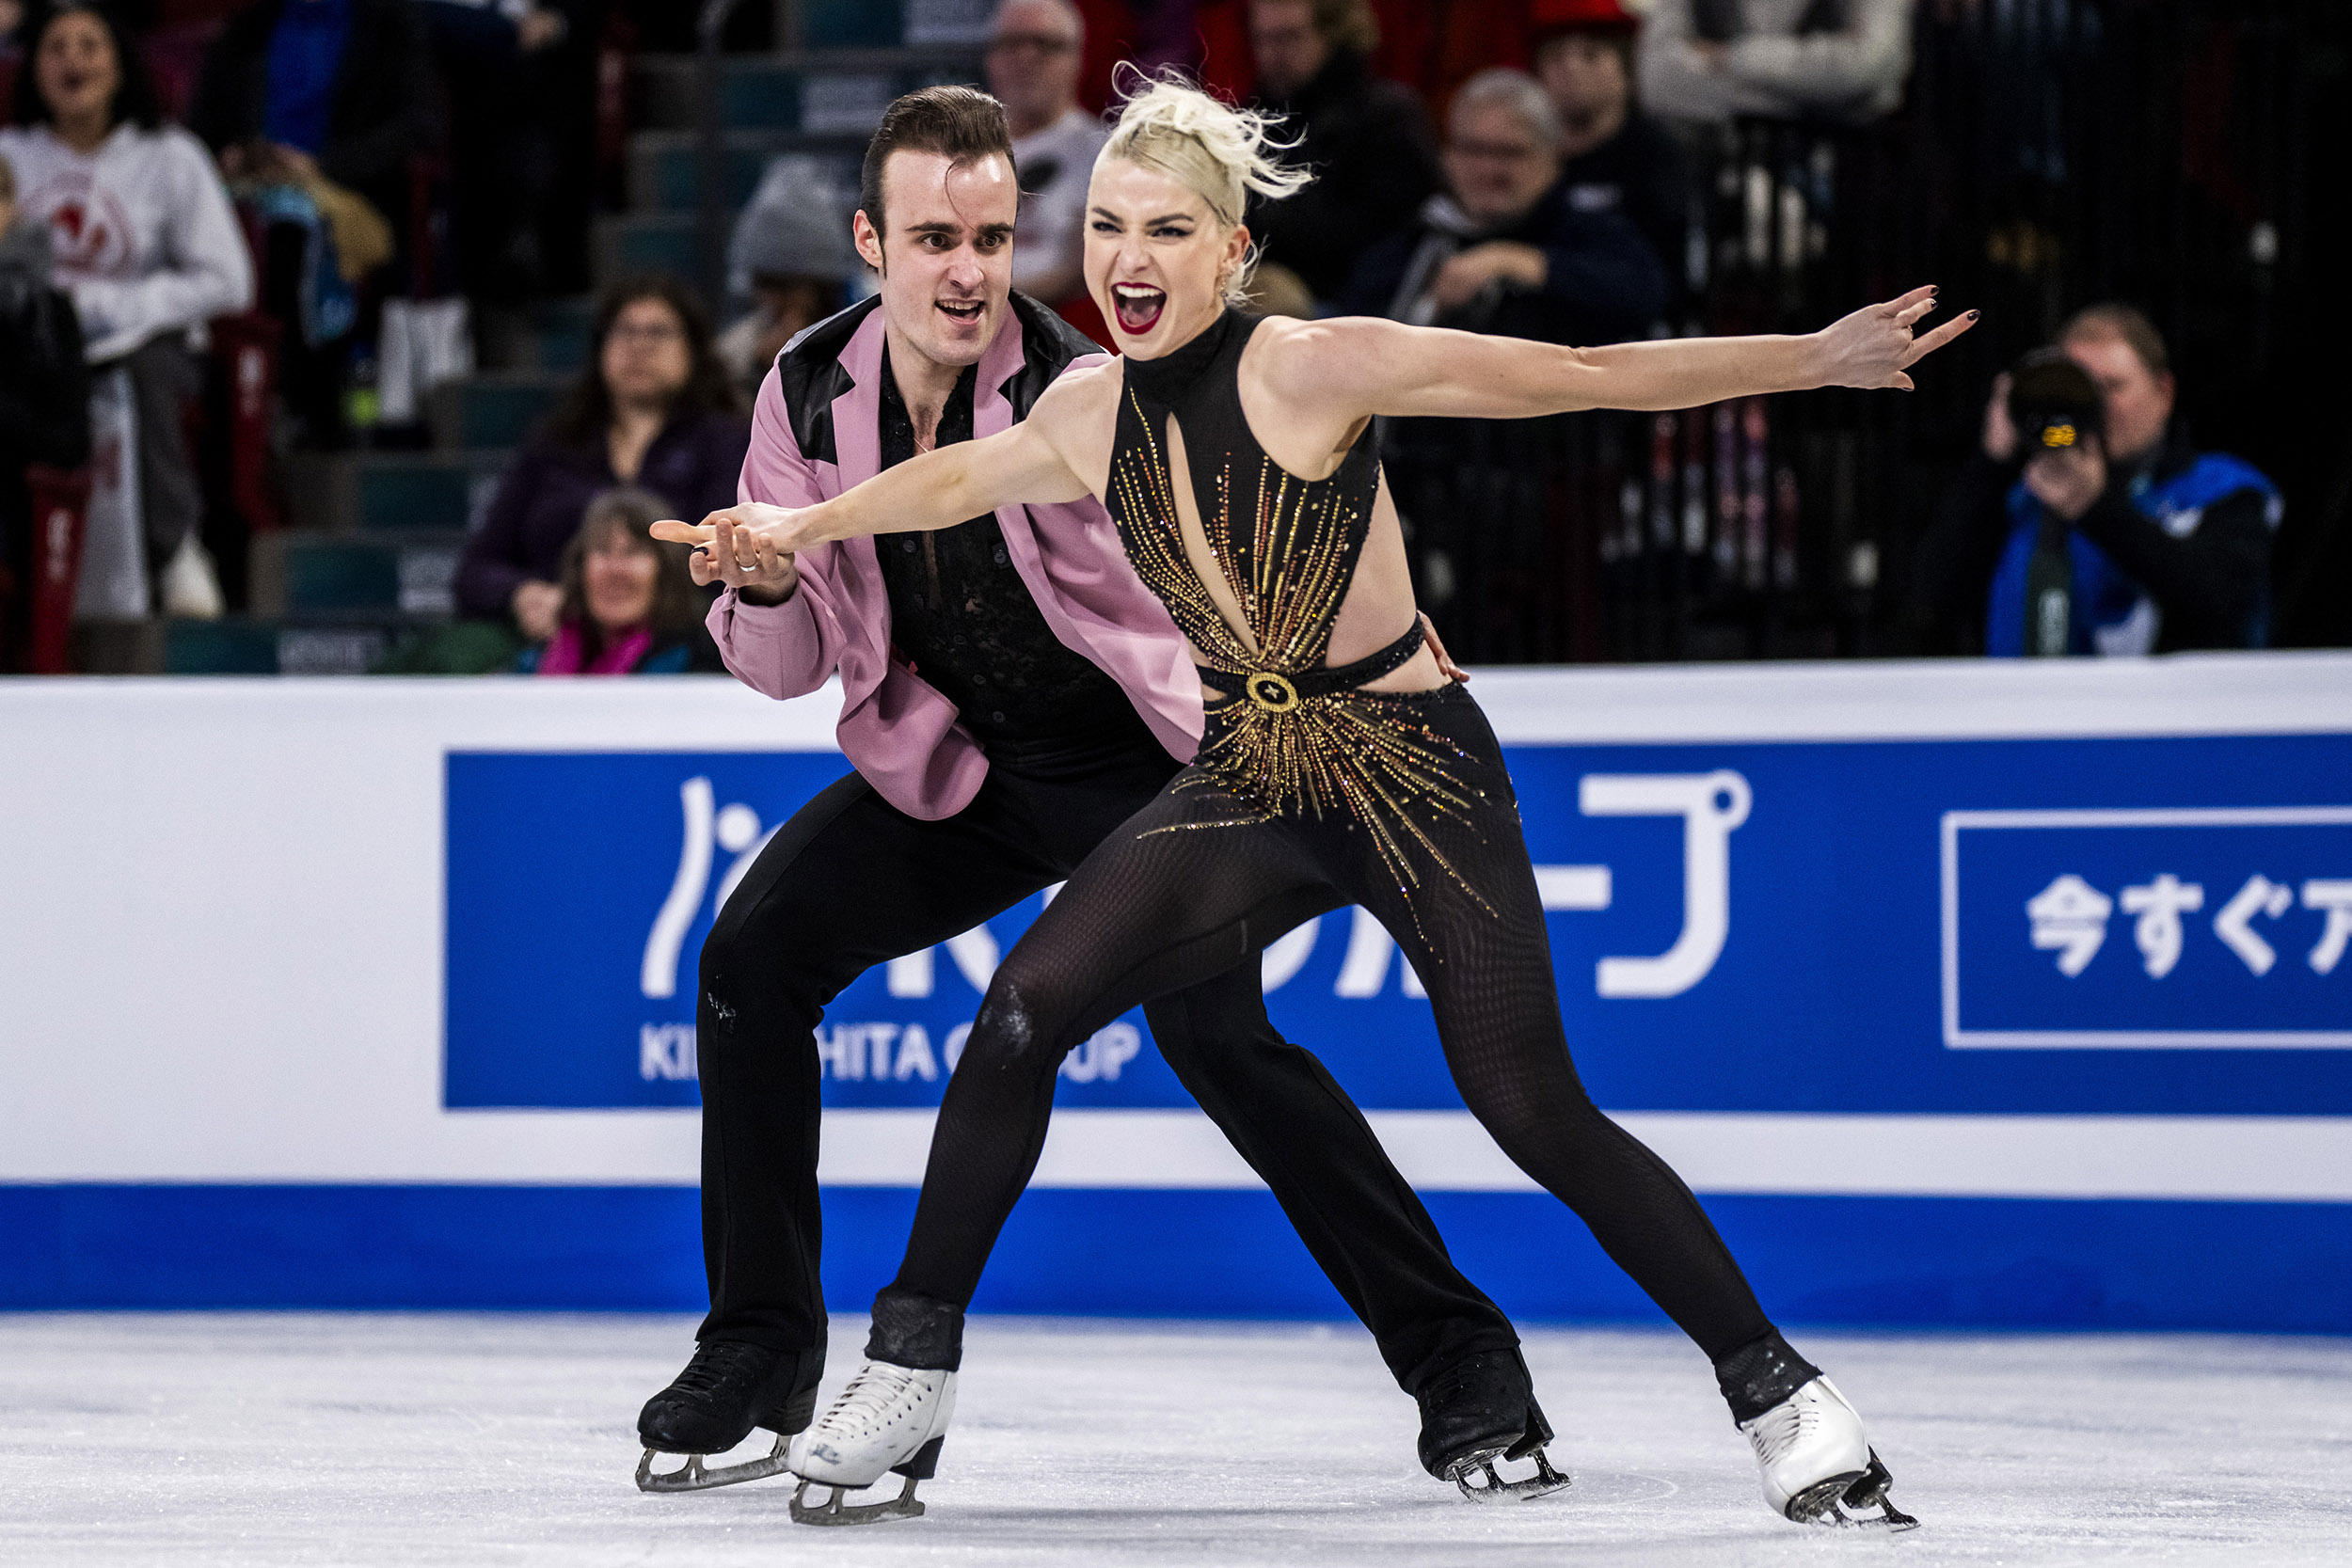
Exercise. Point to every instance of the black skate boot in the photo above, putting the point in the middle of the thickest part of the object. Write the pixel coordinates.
(725, 1390)
(1477, 1412)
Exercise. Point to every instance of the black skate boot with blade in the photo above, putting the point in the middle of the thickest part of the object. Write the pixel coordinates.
(1477, 1413)
(728, 1389)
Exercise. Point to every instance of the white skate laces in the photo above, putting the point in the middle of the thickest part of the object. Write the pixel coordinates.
(889, 1419)
(1815, 1457)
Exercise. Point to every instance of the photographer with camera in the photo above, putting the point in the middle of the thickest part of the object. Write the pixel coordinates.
(2086, 525)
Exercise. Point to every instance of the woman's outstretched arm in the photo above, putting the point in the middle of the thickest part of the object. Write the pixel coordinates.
(1358, 366)
(932, 490)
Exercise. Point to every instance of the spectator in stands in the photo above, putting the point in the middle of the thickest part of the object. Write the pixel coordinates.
(629, 604)
(654, 409)
(1033, 52)
(2154, 547)
(146, 244)
(1367, 140)
(1613, 158)
(1837, 60)
(495, 58)
(44, 395)
(299, 89)
(1502, 250)
(314, 108)
(791, 253)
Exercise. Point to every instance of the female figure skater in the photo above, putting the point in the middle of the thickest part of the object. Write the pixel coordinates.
(1339, 766)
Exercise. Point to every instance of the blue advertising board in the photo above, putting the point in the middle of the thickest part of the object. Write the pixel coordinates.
(2024, 926)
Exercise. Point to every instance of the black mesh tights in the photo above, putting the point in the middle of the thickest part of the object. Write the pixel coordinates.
(1152, 909)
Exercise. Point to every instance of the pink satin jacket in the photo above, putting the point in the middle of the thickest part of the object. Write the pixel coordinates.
(816, 432)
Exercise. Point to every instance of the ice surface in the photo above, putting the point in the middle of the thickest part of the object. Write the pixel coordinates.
(422, 1440)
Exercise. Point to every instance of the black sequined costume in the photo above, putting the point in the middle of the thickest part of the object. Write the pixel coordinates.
(1308, 793)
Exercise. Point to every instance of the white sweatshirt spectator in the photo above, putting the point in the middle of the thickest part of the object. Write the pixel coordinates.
(144, 236)
(1839, 60)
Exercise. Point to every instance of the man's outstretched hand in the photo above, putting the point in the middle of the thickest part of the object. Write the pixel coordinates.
(1876, 344)
(731, 549)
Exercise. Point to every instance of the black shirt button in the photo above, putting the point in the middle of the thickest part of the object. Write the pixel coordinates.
(959, 640)
(996, 718)
(977, 680)
(908, 546)
(1002, 558)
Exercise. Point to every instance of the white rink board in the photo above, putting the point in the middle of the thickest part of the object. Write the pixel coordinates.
(221, 949)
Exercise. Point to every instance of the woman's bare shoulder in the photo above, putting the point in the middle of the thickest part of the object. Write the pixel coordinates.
(1294, 357)
(1079, 415)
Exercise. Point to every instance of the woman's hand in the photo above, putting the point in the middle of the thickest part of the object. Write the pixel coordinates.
(1874, 346)
(748, 548)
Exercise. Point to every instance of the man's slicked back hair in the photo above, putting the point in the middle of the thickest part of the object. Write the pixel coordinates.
(960, 125)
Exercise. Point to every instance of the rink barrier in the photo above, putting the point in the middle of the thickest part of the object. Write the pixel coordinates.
(353, 994)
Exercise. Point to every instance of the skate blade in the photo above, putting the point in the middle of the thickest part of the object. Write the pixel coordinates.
(1871, 1491)
(1545, 1481)
(832, 1511)
(692, 1477)
(1826, 1502)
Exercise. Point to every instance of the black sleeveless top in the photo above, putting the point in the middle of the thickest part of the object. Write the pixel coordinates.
(1302, 737)
(1287, 547)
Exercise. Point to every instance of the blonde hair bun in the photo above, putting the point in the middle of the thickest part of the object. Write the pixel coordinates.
(1218, 151)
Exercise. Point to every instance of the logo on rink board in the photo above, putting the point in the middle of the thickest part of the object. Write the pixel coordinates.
(2202, 927)
(1756, 926)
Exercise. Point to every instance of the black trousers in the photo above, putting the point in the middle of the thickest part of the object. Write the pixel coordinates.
(851, 881)
(1204, 872)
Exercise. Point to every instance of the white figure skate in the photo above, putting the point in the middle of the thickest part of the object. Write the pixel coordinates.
(889, 1420)
(1816, 1457)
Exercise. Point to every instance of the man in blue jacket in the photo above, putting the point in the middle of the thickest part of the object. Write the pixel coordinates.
(2164, 547)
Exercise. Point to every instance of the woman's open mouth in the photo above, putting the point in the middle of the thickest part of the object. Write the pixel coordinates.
(1138, 307)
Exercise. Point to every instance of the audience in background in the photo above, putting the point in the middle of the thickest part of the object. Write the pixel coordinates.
(1033, 52)
(314, 108)
(791, 253)
(1613, 158)
(1842, 60)
(2115, 540)
(505, 148)
(1503, 249)
(294, 90)
(1366, 138)
(653, 409)
(630, 606)
(44, 398)
(146, 243)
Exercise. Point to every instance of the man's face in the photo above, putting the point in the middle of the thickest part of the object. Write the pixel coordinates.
(1033, 61)
(947, 258)
(2139, 402)
(1495, 164)
(1584, 76)
(1288, 49)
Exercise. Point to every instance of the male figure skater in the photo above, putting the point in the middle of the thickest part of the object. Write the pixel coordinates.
(1011, 693)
